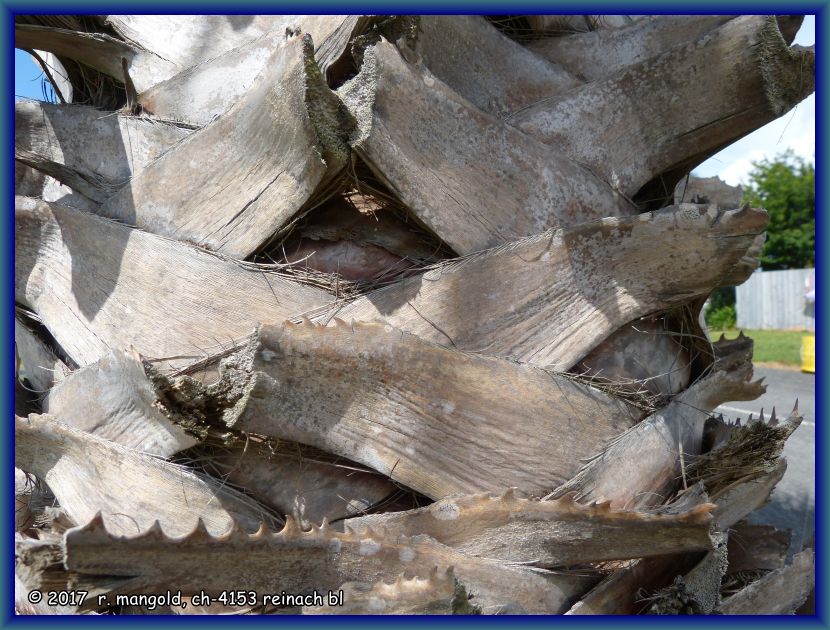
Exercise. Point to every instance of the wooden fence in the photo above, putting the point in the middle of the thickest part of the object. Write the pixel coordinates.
(775, 300)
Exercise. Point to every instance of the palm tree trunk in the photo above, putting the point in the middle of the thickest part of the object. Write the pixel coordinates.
(310, 303)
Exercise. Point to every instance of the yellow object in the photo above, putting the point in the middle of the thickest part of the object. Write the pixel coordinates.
(808, 354)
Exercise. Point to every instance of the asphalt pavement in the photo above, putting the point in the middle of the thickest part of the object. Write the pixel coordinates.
(793, 501)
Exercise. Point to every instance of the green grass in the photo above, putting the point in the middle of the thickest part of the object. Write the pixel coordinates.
(771, 346)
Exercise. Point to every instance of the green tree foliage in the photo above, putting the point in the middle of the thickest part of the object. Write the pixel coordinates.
(720, 309)
(785, 187)
(723, 318)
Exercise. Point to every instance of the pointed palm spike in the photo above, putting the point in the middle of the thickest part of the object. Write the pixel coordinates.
(568, 500)
(795, 418)
(340, 323)
(154, 532)
(603, 505)
(763, 421)
(235, 532)
(200, 532)
(96, 524)
(509, 495)
(701, 512)
(291, 527)
(262, 532)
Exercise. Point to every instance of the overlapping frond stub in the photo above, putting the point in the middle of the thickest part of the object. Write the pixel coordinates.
(434, 282)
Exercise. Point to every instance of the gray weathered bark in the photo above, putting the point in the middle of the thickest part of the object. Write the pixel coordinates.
(487, 202)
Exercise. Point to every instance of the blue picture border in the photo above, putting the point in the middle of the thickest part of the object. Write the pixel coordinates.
(7, 11)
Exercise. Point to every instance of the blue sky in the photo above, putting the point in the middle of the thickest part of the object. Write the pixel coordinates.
(27, 76)
(795, 130)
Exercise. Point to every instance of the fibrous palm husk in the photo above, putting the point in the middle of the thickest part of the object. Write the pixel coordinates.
(436, 420)
(780, 592)
(295, 479)
(438, 594)
(298, 562)
(41, 364)
(93, 152)
(598, 54)
(756, 548)
(99, 285)
(130, 489)
(261, 138)
(708, 190)
(484, 163)
(550, 533)
(501, 78)
(285, 152)
(764, 79)
(643, 466)
(114, 399)
(208, 89)
(551, 298)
